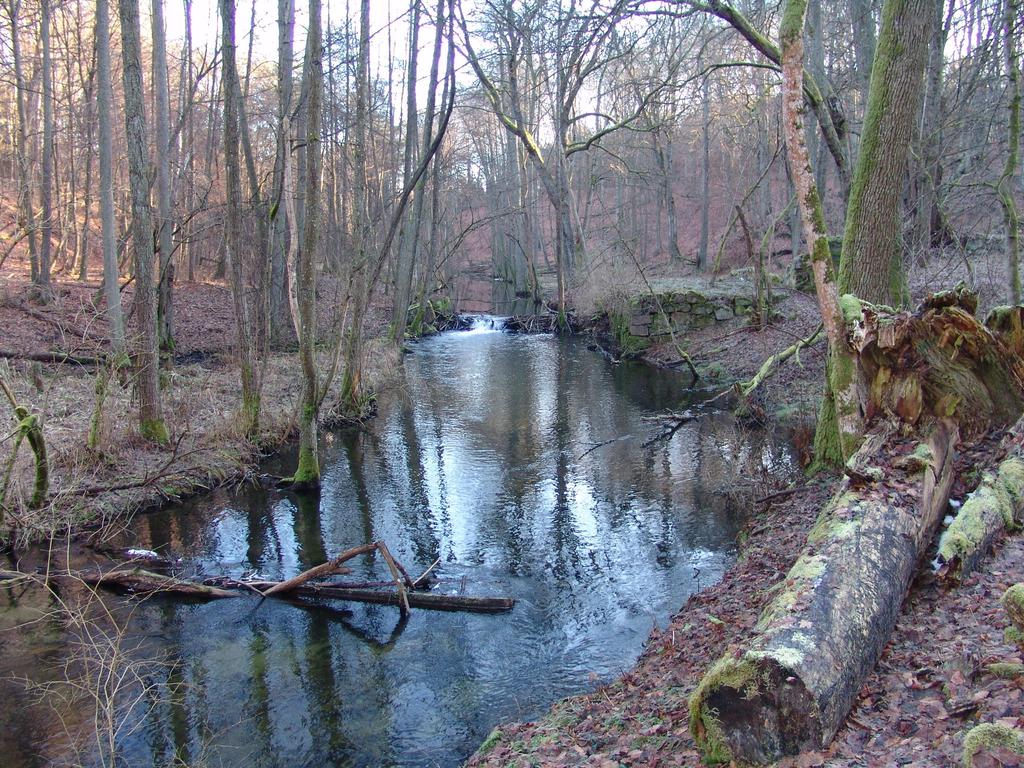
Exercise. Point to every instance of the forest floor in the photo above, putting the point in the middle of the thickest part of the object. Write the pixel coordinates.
(931, 685)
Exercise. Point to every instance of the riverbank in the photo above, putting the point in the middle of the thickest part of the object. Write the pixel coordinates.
(929, 689)
(95, 486)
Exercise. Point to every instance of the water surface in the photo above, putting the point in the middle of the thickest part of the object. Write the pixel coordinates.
(494, 458)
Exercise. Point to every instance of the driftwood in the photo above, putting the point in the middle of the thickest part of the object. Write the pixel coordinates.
(416, 598)
(147, 582)
(330, 568)
(929, 378)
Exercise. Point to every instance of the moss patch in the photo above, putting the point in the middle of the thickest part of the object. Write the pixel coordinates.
(988, 736)
(738, 674)
(1013, 602)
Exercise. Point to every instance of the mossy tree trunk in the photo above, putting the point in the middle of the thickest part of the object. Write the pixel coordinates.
(841, 368)
(248, 356)
(931, 377)
(871, 266)
(307, 473)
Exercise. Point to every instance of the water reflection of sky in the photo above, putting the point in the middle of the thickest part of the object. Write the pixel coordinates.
(482, 461)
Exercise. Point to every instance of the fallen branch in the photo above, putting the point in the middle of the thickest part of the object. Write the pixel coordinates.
(772, 363)
(145, 582)
(54, 357)
(330, 568)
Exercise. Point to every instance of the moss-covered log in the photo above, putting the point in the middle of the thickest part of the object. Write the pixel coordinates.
(929, 377)
(791, 687)
(996, 505)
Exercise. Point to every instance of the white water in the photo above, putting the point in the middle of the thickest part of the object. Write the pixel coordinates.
(487, 324)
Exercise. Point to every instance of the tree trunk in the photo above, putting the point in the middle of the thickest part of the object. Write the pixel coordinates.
(104, 98)
(307, 473)
(351, 384)
(407, 244)
(871, 266)
(281, 320)
(42, 279)
(705, 175)
(165, 222)
(151, 421)
(841, 372)
(792, 685)
(26, 215)
(247, 354)
(1006, 188)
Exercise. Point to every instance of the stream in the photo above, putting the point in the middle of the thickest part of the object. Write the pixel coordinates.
(517, 461)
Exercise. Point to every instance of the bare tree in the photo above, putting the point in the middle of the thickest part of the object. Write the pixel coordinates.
(151, 420)
(307, 472)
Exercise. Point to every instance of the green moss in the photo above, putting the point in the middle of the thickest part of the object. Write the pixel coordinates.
(738, 674)
(828, 527)
(154, 430)
(988, 736)
(307, 472)
(851, 307)
(627, 343)
(1013, 603)
(492, 740)
(1006, 670)
(1011, 478)
(827, 449)
(1014, 636)
(968, 529)
(917, 460)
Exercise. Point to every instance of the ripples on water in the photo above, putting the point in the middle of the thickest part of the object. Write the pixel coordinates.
(484, 460)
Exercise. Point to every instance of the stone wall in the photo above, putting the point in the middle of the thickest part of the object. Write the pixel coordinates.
(687, 310)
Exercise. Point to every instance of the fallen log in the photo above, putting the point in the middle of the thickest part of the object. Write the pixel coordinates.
(791, 687)
(932, 377)
(996, 505)
(57, 358)
(140, 581)
(416, 598)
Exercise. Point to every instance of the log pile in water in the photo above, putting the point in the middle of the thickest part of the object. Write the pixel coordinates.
(930, 377)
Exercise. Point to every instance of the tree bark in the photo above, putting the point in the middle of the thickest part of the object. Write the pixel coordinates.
(151, 421)
(792, 685)
(165, 222)
(248, 358)
(281, 319)
(104, 98)
(871, 266)
(1006, 189)
(307, 473)
(937, 375)
(841, 371)
(42, 279)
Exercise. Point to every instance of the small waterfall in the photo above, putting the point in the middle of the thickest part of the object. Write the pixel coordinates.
(486, 324)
